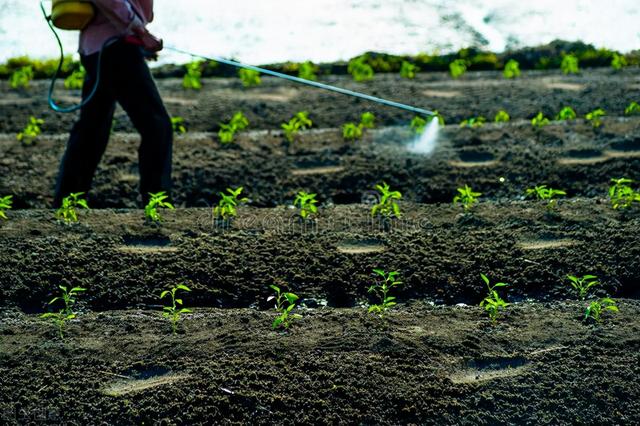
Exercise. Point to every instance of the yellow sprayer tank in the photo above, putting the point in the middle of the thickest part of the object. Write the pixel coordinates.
(71, 14)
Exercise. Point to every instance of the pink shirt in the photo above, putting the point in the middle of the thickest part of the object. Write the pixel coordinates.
(114, 18)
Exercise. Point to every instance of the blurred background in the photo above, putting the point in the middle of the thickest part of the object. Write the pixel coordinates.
(270, 31)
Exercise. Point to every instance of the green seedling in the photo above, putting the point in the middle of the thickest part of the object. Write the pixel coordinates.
(75, 81)
(178, 125)
(594, 117)
(360, 69)
(570, 64)
(419, 124)
(511, 69)
(174, 311)
(473, 122)
(381, 289)
(227, 206)
(467, 197)
(21, 78)
(457, 68)
(621, 194)
(583, 284)
(493, 303)
(502, 117)
(598, 307)
(408, 70)
(567, 113)
(352, 131)
(6, 203)
(285, 303)
(308, 70)
(67, 211)
(156, 201)
(228, 130)
(387, 207)
(249, 78)
(31, 131)
(539, 121)
(300, 121)
(542, 192)
(618, 62)
(193, 77)
(307, 204)
(68, 297)
(633, 108)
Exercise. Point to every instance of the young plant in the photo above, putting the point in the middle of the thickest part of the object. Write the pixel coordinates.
(633, 108)
(493, 303)
(307, 204)
(381, 289)
(21, 77)
(178, 125)
(621, 194)
(300, 121)
(351, 131)
(6, 203)
(567, 113)
(31, 131)
(227, 206)
(419, 124)
(618, 62)
(75, 81)
(511, 69)
(408, 70)
(67, 211)
(156, 201)
(285, 303)
(360, 69)
(598, 307)
(193, 77)
(583, 284)
(467, 197)
(174, 311)
(308, 70)
(570, 64)
(473, 122)
(249, 78)
(539, 121)
(502, 117)
(457, 68)
(542, 192)
(594, 117)
(228, 131)
(387, 206)
(68, 297)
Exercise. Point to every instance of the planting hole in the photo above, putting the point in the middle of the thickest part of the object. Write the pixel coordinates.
(625, 149)
(545, 244)
(142, 380)
(147, 245)
(361, 246)
(584, 156)
(474, 159)
(307, 169)
(484, 369)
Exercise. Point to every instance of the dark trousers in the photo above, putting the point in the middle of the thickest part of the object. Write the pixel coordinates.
(124, 78)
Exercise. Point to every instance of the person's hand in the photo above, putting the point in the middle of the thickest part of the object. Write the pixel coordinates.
(149, 42)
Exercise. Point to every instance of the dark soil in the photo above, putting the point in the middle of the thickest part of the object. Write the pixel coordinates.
(424, 365)
(435, 360)
(440, 252)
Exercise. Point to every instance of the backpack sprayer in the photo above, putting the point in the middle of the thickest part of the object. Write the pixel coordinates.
(77, 14)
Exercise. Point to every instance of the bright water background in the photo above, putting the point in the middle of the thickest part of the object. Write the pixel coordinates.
(267, 31)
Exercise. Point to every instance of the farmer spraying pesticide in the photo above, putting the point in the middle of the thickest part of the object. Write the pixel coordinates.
(113, 44)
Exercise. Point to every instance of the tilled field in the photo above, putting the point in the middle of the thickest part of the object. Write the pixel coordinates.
(434, 359)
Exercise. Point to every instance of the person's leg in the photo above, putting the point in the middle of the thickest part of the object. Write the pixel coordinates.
(139, 97)
(90, 134)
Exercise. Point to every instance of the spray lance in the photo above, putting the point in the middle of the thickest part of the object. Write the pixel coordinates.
(75, 15)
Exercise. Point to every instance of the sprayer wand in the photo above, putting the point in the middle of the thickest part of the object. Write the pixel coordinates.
(308, 82)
